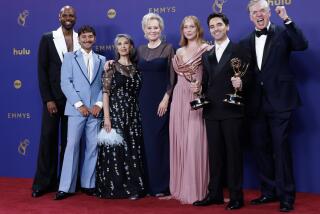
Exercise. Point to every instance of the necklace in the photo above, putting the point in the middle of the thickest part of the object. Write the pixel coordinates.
(154, 45)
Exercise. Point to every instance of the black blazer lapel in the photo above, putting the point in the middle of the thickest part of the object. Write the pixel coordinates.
(212, 59)
(253, 50)
(268, 45)
(224, 59)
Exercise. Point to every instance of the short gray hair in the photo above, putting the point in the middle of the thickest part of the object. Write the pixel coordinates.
(151, 16)
(253, 2)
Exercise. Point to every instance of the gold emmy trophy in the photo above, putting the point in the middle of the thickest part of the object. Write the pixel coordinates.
(200, 100)
(239, 69)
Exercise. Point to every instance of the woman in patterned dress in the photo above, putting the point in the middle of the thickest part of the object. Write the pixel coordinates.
(120, 144)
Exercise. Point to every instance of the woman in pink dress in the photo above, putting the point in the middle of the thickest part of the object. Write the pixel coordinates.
(188, 144)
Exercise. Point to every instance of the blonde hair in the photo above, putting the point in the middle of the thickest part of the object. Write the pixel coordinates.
(199, 37)
(150, 16)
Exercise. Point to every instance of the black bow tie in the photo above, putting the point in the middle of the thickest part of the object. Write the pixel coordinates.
(264, 31)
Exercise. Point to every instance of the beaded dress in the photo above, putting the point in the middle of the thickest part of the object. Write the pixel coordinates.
(119, 170)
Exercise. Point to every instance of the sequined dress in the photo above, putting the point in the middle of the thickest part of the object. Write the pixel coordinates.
(119, 170)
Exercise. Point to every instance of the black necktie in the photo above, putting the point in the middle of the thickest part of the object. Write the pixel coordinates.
(264, 31)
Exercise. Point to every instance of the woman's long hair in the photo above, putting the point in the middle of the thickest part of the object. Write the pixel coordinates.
(199, 36)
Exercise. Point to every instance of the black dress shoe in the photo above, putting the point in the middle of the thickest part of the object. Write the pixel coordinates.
(89, 191)
(286, 207)
(37, 193)
(263, 200)
(207, 201)
(62, 195)
(134, 197)
(40, 191)
(159, 195)
(162, 194)
(234, 204)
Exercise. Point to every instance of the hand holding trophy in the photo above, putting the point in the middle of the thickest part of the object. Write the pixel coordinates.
(240, 70)
(200, 100)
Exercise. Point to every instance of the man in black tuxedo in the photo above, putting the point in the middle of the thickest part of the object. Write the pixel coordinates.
(52, 47)
(224, 121)
(272, 98)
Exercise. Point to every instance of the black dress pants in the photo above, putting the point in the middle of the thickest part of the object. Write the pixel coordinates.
(225, 139)
(269, 137)
(46, 176)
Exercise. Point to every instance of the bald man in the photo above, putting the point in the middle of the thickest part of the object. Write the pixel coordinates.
(53, 46)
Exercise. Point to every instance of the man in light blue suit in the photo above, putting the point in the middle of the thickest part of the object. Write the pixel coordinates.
(81, 73)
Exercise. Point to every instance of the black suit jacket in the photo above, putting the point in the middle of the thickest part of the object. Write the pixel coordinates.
(49, 66)
(275, 79)
(216, 82)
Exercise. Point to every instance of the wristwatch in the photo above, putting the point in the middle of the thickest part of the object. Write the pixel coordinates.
(288, 20)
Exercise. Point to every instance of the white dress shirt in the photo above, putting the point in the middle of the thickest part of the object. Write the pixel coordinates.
(219, 48)
(260, 43)
(88, 61)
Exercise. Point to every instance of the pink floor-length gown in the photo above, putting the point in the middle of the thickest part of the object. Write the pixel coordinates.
(188, 143)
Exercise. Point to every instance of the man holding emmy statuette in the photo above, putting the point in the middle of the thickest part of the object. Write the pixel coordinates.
(271, 99)
(224, 121)
(240, 69)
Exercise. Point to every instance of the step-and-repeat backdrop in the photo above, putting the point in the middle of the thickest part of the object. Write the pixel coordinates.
(23, 23)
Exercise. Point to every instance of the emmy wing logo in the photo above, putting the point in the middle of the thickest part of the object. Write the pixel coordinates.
(218, 5)
(22, 17)
(22, 148)
(111, 14)
(17, 84)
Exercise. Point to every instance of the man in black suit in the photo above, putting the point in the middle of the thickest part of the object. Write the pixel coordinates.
(52, 47)
(272, 98)
(224, 121)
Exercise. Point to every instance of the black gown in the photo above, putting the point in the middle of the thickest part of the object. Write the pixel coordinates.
(158, 79)
(119, 170)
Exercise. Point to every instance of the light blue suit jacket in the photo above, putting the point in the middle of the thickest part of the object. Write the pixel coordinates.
(75, 82)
